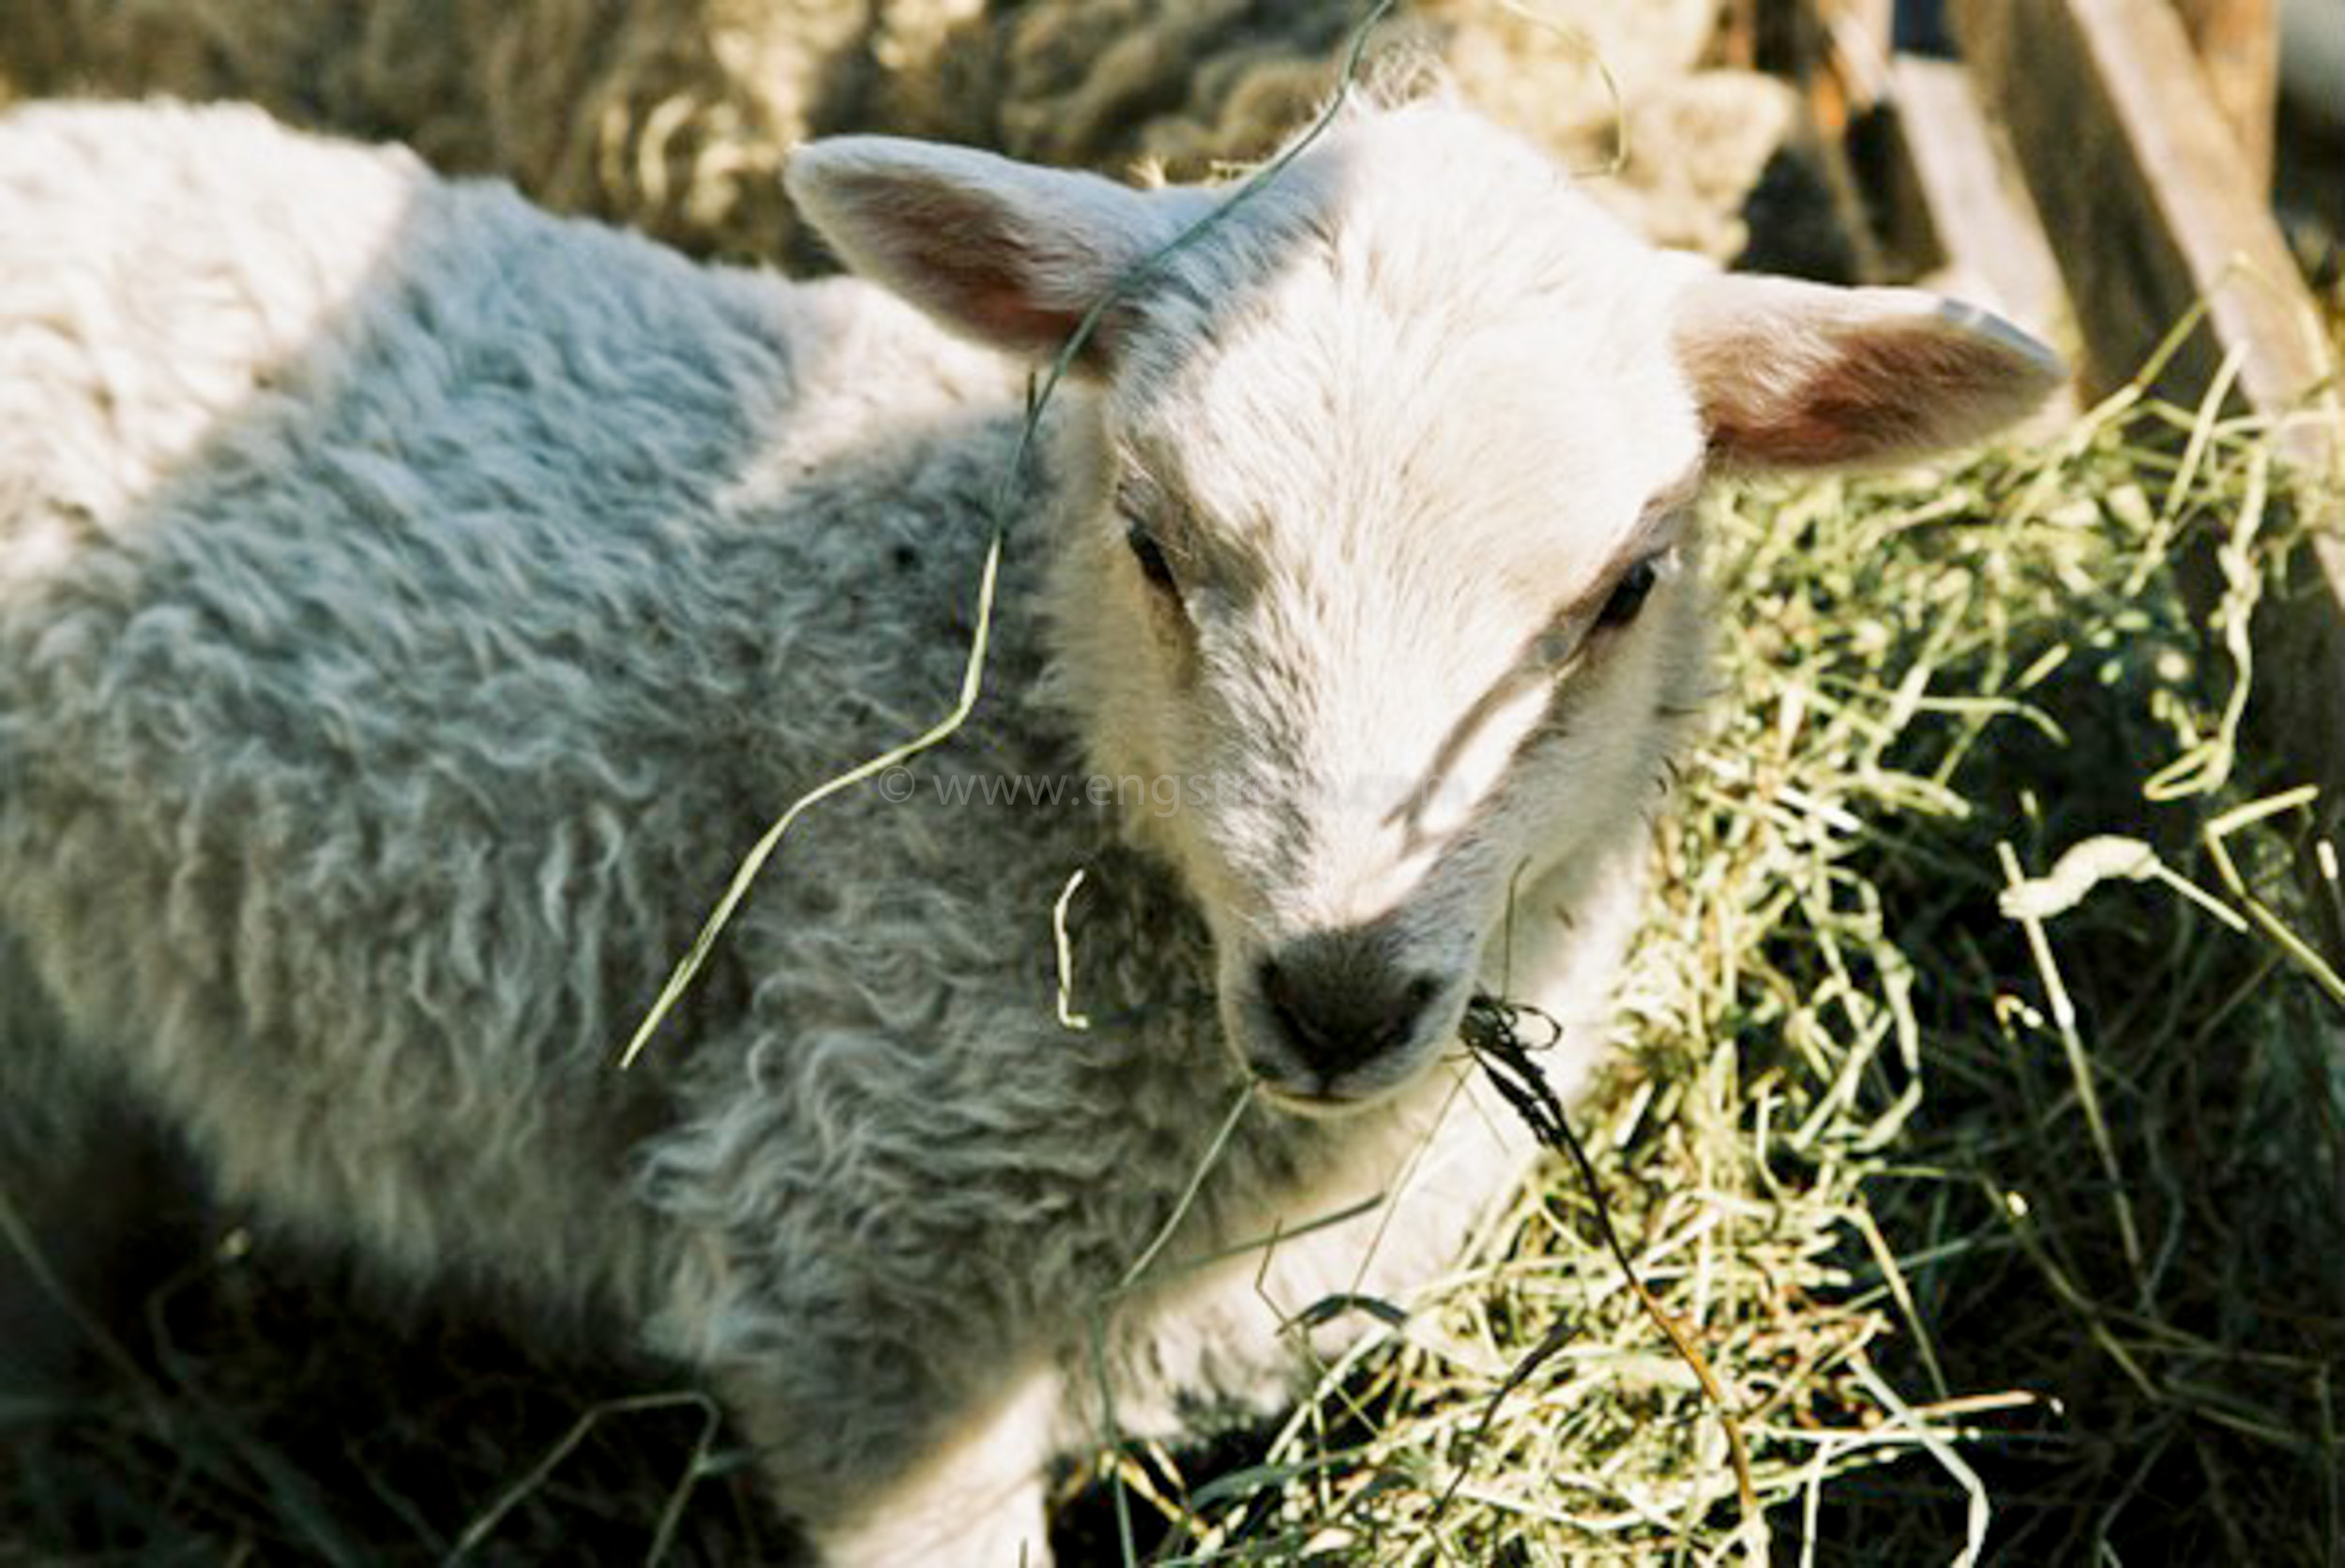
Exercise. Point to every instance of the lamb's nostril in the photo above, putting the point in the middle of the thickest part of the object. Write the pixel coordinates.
(1291, 1007)
(1338, 1005)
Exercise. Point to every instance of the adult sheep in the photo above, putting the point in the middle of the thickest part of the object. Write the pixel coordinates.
(412, 604)
(672, 116)
(669, 116)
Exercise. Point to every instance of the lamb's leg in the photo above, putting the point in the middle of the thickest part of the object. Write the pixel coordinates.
(973, 1500)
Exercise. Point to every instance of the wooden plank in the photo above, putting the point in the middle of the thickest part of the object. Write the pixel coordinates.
(1977, 220)
(2140, 187)
(2238, 42)
(1737, 41)
(1856, 42)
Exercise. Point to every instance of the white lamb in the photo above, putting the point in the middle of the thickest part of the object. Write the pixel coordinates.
(411, 605)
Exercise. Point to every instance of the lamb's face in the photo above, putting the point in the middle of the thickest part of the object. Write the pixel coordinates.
(1400, 577)
(1377, 573)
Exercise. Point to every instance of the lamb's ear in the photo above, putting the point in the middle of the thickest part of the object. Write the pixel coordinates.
(1805, 375)
(1009, 254)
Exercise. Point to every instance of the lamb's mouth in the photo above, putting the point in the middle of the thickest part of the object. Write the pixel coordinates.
(1305, 1091)
(1322, 1104)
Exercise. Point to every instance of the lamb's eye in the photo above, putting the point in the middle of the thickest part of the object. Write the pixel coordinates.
(1153, 565)
(1629, 593)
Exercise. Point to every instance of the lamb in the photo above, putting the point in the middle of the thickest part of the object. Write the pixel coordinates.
(411, 605)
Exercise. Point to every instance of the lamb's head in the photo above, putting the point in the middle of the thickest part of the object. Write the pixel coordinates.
(1376, 571)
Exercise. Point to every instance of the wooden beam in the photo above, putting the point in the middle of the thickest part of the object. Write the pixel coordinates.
(2140, 187)
(1976, 215)
(2142, 190)
(2238, 42)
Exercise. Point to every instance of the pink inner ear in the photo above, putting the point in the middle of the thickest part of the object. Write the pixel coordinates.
(1793, 375)
(998, 288)
(1010, 255)
(999, 310)
(950, 253)
(951, 259)
(1849, 402)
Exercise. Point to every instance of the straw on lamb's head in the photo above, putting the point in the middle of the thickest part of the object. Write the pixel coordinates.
(1382, 540)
